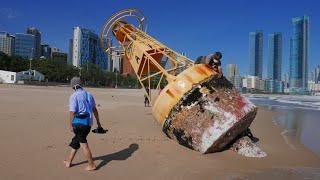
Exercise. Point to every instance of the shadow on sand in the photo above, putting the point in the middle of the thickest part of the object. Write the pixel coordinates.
(120, 155)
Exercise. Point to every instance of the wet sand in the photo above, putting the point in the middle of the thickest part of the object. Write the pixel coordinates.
(35, 137)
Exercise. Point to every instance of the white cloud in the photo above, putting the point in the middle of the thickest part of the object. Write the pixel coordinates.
(8, 13)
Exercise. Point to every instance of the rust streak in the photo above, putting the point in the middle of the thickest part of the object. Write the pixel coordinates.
(170, 93)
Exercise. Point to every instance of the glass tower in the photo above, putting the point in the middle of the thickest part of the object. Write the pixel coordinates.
(69, 61)
(46, 51)
(24, 45)
(256, 53)
(299, 43)
(86, 48)
(275, 56)
(37, 39)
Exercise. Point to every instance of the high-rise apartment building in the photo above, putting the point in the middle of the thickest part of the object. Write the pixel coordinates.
(37, 38)
(86, 48)
(46, 51)
(233, 75)
(275, 56)
(69, 61)
(7, 42)
(24, 45)
(299, 47)
(256, 53)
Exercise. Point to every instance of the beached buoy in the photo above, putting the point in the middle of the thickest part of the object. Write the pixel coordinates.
(195, 107)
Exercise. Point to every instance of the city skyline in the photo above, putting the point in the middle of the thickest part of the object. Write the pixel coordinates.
(229, 25)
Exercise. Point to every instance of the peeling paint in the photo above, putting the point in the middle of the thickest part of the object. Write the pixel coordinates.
(210, 116)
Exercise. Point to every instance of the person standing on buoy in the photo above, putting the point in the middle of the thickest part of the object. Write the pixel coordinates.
(215, 62)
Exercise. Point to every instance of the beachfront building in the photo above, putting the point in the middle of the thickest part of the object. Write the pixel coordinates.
(46, 51)
(253, 84)
(273, 82)
(233, 75)
(315, 75)
(69, 61)
(9, 77)
(275, 56)
(256, 53)
(274, 86)
(299, 46)
(314, 88)
(86, 48)
(37, 41)
(7, 43)
(59, 57)
(24, 45)
(30, 75)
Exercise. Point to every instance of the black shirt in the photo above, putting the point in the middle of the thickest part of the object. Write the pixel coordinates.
(214, 63)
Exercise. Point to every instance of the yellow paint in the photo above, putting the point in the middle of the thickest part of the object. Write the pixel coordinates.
(175, 90)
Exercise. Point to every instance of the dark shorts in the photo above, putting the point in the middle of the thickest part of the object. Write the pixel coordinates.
(81, 132)
(146, 100)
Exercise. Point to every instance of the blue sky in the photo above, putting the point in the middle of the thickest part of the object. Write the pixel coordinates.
(198, 27)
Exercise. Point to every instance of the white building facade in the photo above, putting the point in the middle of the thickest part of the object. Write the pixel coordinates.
(233, 75)
(9, 77)
(253, 83)
(314, 88)
(7, 43)
(86, 48)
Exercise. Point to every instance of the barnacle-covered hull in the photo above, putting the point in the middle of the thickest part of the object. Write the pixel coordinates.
(208, 116)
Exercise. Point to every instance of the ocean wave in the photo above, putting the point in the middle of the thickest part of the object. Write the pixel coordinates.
(309, 102)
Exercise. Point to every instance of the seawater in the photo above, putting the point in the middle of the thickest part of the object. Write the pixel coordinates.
(299, 118)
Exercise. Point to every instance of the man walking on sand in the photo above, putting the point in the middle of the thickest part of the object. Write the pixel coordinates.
(82, 108)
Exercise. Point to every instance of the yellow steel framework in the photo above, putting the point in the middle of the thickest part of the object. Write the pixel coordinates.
(151, 60)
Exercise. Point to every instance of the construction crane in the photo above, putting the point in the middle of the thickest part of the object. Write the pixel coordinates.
(194, 107)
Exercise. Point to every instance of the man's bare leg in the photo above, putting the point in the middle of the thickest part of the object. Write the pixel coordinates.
(87, 153)
(68, 162)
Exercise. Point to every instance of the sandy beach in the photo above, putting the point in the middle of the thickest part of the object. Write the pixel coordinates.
(35, 138)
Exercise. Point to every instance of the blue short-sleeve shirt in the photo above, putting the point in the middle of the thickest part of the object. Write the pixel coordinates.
(82, 101)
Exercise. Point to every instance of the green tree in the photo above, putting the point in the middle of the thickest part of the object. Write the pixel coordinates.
(56, 71)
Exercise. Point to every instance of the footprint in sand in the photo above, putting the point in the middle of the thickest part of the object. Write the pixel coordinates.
(50, 147)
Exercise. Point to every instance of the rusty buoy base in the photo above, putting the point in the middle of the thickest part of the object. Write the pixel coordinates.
(210, 116)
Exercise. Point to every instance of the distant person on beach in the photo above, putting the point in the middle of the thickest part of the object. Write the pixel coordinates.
(146, 99)
(82, 107)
